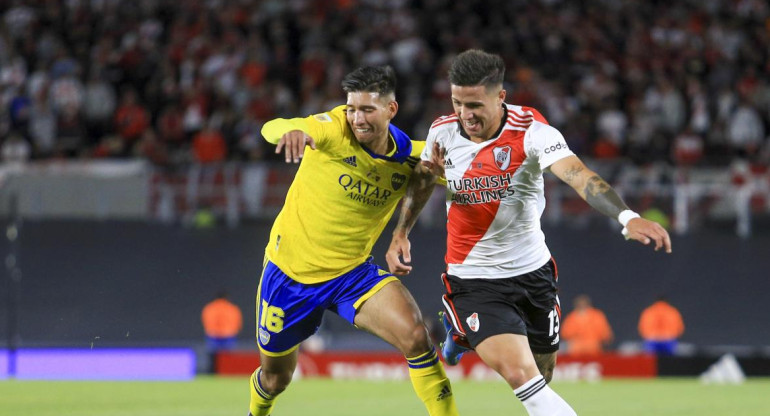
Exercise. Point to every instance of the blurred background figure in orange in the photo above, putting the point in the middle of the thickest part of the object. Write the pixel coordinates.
(586, 329)
(222, 321)
(660, 325)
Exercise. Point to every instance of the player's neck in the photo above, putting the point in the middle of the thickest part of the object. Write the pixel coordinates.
(381, 146)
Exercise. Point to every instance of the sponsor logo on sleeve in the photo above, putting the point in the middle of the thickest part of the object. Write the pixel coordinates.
(556, 147)
(323, 117)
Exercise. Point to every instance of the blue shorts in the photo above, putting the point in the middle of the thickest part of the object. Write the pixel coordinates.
(288, 312)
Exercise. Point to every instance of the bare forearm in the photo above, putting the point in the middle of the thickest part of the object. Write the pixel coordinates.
(600, 195)
(591, 187)
(418, 193)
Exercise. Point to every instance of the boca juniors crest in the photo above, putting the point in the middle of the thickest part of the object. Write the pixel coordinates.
(502, 157)
(397, 180)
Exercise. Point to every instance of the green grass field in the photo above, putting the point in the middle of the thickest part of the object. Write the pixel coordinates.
(214, 396)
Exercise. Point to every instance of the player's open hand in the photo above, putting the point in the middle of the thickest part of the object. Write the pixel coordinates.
(400, 247)
(436, 163)
(294, 144)
(646, 231)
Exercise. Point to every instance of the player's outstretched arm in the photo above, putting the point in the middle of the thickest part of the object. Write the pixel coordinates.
(293, 143)
(289, 135)
(600, 195)
(418, 192)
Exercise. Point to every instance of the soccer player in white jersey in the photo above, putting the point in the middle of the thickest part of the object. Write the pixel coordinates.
(501, 281)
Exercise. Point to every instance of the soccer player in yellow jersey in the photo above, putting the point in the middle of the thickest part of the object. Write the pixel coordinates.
(354, 169)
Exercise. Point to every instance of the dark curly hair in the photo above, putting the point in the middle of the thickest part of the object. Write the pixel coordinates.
(476, 67)
(380, 79)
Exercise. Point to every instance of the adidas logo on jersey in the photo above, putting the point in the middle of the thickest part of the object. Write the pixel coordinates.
(448, 164)
(445, 392)
(351, 160)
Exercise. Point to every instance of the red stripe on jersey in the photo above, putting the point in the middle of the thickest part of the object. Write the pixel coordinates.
(539, 117)
(467, 223)
(514, 123)
(443, 120)
(524, 118)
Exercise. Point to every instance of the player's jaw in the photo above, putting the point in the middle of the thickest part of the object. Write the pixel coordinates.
(364, 132)
(473, 126)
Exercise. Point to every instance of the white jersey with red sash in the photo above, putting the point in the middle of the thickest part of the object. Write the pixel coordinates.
(495, 193)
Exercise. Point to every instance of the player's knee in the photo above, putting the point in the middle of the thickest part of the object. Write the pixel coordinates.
(275, 382)
(515, 375)
(415, 341)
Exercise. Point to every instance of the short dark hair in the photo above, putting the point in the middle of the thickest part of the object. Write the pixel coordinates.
(476, 67)
(379, 79)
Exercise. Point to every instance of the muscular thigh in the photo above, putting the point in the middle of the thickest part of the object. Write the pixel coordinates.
(393, 315)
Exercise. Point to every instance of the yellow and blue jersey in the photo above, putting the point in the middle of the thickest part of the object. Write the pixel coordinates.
(340, 200)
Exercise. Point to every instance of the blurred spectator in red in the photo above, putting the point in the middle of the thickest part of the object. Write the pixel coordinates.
(687, 149)
(170, 125)
(209, 146)
(131, 119)
(253, 71)
(150, 148)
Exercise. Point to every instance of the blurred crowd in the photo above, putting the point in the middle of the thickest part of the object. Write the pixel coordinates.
(681, 81)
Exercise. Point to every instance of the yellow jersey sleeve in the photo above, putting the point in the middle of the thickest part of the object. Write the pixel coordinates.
(320, 127)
